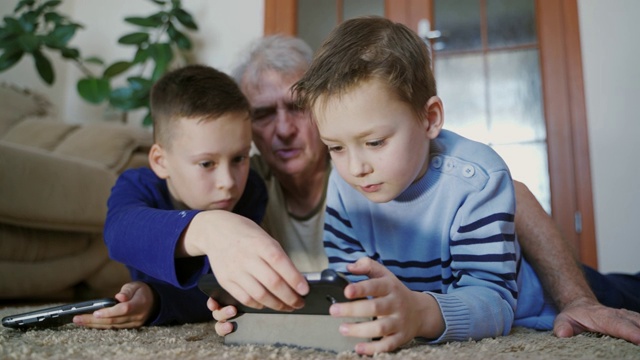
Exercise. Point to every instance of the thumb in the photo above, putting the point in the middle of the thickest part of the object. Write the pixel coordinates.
(562, 327)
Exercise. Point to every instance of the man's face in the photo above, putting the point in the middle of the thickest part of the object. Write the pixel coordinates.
(207, 164)
(285, 135)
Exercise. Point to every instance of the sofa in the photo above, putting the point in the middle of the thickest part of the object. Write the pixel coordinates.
(55, 179)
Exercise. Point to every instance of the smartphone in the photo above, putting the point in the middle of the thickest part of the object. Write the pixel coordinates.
(325, 288)
(55, 316)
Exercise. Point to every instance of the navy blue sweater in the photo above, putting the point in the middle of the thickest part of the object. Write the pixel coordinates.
(142, 229)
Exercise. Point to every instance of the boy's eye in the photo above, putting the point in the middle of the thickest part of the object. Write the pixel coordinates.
(240, 159)
(335, 148)
(206, 164)
(375, 143)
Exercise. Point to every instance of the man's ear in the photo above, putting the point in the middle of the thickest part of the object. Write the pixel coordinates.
(433, 118)
(157, 161)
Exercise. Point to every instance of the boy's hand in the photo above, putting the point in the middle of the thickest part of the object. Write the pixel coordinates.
(222, 315)
(401, 314)
(246, 261)
(136, 303)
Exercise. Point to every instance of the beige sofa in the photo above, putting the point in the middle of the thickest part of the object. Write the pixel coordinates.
(55, 179)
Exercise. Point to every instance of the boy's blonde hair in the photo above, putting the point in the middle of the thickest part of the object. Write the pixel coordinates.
(193, 92)
(363, 48)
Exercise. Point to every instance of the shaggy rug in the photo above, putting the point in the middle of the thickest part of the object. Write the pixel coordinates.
(199, 341)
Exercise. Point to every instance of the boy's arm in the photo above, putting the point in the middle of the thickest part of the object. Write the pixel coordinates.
(553, 260)
(142, 232)
(481, 300)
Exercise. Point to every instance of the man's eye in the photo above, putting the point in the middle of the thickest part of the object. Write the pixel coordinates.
(206, 164)
(262, 114)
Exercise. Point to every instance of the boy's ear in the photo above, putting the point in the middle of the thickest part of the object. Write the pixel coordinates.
(433, 117)
(157, 161)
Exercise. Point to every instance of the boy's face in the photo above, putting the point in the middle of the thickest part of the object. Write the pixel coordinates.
(207, 164)
(286, 137)
(377, 143)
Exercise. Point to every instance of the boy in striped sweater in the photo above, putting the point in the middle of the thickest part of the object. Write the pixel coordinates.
(420, 218)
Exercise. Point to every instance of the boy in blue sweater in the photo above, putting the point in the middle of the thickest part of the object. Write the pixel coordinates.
(422, 217)
(160, 220)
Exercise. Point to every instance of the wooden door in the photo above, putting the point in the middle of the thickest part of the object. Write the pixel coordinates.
(562, 107)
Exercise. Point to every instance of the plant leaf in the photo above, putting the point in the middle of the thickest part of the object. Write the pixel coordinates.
(116, 69)
(70, 53)
(138, 83)
(94, 60)
(43, 65)
(141, 56)
(136, 38)
(126, 98)
(13, 25)
(9, 58)
(93, 90)
(179, 38)
(51, 4)
(23, 3)
(29, 42)
(185, 18)
(143, 21)
(63, 33)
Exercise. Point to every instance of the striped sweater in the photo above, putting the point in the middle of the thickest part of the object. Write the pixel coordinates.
(450, 234)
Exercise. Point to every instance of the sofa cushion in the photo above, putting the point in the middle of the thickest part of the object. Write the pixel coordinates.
(55, 192)
(43, 134)
(17, 103)
(105, 143)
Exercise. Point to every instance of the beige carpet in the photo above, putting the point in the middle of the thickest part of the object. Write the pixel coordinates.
(199, 341)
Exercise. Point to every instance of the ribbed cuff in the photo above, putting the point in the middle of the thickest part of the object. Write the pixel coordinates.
(457, 318)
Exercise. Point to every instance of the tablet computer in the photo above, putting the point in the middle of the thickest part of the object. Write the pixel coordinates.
(325, 288)
(56, 315)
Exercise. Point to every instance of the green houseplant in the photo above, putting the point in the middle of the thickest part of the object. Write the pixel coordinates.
(159, 38)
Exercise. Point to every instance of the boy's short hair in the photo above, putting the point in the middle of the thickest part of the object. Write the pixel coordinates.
(363, 48)
(193, 91)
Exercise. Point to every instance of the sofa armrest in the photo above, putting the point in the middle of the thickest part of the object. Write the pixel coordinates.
(52, 191)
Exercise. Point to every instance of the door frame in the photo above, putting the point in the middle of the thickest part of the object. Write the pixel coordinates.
(564, 106)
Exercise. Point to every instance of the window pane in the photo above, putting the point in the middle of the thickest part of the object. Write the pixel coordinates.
(511, 22)
(459, 23)
(315, 20)
(355, 8)
(515, 97)
(461, 86)
(528, 164)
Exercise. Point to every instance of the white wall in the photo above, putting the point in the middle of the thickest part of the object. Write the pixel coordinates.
(610, 57)
(610, 52)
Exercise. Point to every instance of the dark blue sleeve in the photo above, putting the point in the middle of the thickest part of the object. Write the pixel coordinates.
(142, 230)
(179, 306)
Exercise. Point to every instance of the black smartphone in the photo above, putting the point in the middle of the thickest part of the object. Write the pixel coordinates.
(56, 315)
(325, 288)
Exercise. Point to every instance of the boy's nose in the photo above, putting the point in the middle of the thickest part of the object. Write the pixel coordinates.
(358, 166)
(224, 178)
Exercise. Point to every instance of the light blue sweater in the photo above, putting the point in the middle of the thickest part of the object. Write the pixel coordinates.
(450, 234)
